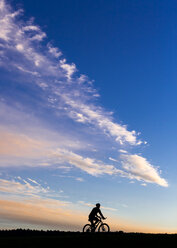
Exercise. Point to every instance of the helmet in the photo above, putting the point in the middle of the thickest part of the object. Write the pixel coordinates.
(98, 205)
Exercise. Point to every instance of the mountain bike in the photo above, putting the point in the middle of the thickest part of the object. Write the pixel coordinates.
(100, 226)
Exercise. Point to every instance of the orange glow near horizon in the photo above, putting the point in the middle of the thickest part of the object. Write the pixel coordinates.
(61, 219)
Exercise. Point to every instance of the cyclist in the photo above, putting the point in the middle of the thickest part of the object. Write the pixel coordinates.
(93, 217)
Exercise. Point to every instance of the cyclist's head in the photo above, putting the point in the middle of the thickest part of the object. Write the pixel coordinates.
(98, 205)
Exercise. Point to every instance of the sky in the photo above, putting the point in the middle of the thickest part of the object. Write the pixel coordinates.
(88, 114)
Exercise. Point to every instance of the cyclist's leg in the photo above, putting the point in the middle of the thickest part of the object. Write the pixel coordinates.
(96, 220)
(92, 222)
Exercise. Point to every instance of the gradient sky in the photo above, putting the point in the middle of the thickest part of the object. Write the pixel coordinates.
(88, 113)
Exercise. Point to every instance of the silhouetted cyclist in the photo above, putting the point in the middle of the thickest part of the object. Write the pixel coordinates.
(93, 217)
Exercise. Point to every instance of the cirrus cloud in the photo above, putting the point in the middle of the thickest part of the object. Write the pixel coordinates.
(140, 169)
(65, 94)
(22, 54)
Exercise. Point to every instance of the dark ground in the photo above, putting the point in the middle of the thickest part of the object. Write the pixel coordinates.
(35, 239)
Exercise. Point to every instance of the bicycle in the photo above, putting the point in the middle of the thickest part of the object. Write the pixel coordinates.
(102, 227)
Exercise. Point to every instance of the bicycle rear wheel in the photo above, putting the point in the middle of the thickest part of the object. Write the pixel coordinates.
(104, 228)
(87, 228)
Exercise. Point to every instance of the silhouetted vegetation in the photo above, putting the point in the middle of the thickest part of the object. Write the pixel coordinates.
(35, 239)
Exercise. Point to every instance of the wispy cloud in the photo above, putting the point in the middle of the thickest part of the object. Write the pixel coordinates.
(91, 205)
(20, 39)
(28, 190)
(95, 115)
(22, 202)
(144, 184)
(20, 149)
(140, 169)
(54, 51)
(33, 181)
(113, 159)
(67, 96)
(52, 214)
(18, 188)
(134, 166)
(122, 151)
(69, 69)
(79, 179)
(89, 165)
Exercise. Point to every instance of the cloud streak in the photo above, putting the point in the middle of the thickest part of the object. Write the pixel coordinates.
(22, 202)
(54, 214)
(49, 217)
(19, 39)
(39, 153)
(140, 169)
(68, 96)
(26, 188)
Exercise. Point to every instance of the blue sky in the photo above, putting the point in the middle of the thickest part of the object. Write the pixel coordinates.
(87, 113)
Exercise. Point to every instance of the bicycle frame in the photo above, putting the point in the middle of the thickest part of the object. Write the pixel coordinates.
(98, 223)
(101, 226)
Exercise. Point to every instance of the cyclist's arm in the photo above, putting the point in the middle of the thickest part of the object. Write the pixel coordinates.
(101, 214)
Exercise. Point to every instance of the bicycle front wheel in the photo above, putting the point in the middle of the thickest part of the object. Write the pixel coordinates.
(87, 228)
(104, 228)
